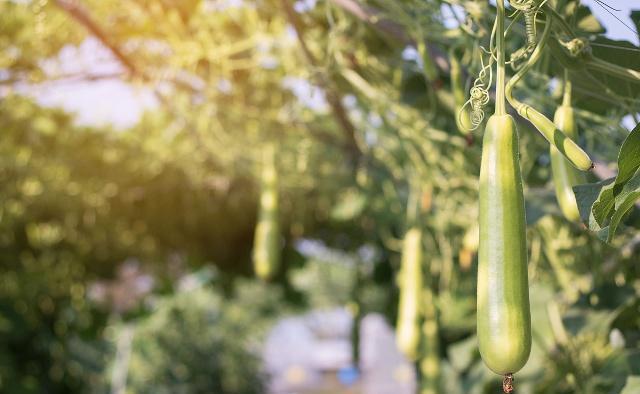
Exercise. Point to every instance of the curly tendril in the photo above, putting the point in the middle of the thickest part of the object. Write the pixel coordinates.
(479, 99)
(479, 96)
(529, 9)
(479, 92)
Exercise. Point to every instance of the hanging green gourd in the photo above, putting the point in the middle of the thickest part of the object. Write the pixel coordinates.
(266, 247)
(565, 176)
(410, 281)
(430, 361)
(504, 327)
(503, 317)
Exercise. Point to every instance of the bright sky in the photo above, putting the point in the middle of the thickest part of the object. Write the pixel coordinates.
(616, 29)
(120, 104)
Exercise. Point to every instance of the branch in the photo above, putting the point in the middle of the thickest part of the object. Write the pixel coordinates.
(80, 14)
(65, 78)
(333, 97)
(375, 18)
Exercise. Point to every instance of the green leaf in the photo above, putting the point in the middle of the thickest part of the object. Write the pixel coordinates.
(624, 202)
(586, 195)
(628, 159)
(604, 204)
(632, 386)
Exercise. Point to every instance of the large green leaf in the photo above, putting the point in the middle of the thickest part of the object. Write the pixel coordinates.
(623, 203)
(628, 159)
(603, 205)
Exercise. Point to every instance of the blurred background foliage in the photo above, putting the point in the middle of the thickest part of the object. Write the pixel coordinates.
(135, 244)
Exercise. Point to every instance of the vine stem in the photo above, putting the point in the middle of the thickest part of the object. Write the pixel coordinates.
(500, 74)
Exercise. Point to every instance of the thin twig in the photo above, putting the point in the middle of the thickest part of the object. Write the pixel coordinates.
(334, 98)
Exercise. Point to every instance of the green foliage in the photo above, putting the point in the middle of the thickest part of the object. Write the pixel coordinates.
(29, 34)
(76, 203)
(197, 341)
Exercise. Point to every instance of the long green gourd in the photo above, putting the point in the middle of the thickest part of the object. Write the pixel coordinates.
(565, 176)
(503, 317)
(504, 327)
(410, 281)
(266, 247)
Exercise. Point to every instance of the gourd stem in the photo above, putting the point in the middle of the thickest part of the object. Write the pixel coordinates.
(507, 383)
(500, 75)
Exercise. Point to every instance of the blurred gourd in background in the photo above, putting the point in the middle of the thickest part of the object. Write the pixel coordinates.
(266, 247)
